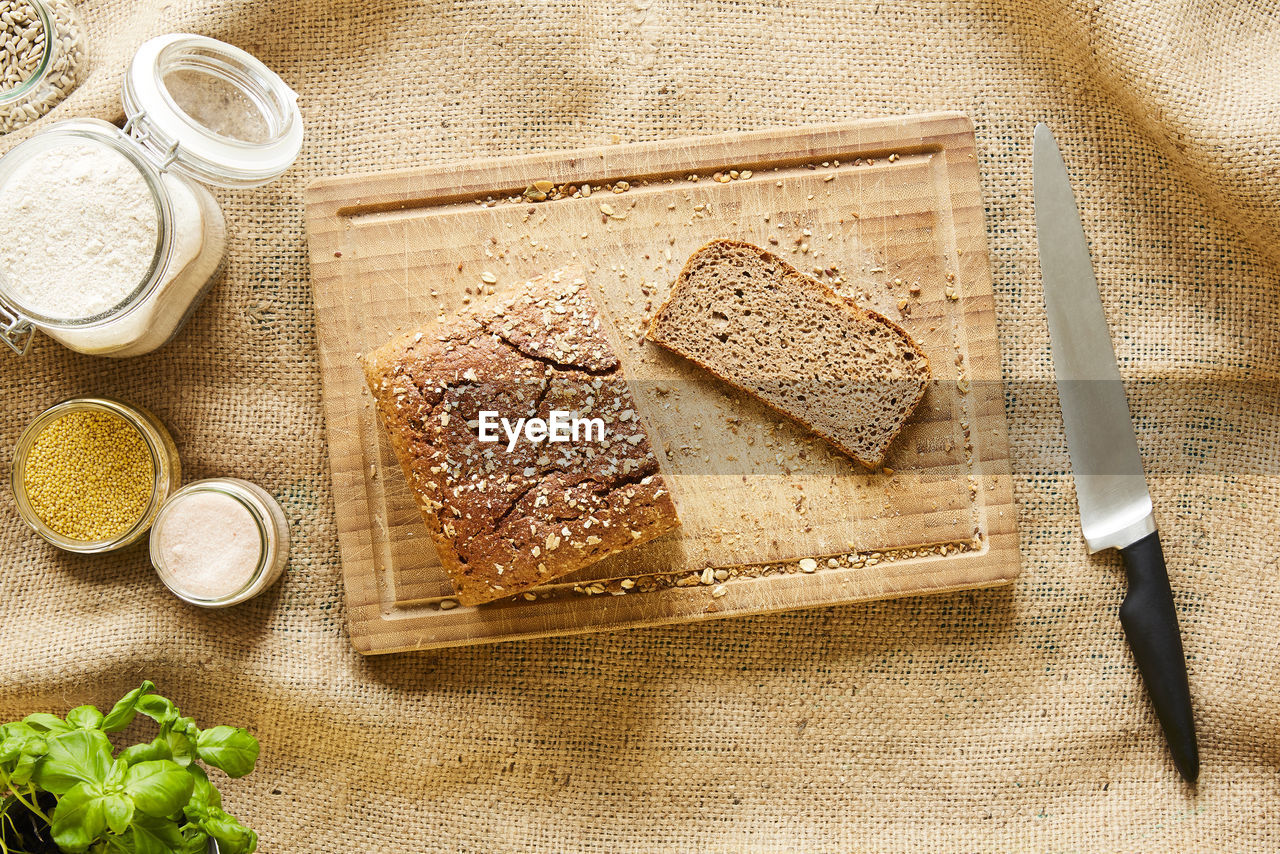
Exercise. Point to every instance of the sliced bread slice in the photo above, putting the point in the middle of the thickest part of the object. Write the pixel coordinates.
(848, 374)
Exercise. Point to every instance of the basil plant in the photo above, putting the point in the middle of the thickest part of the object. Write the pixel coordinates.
(64, 787)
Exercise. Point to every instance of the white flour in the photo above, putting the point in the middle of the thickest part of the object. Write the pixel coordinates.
(78, 230)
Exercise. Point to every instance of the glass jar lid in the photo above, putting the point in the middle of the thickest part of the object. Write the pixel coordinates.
(211, 111)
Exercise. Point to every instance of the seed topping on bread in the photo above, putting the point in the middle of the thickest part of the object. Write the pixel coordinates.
(508, 517)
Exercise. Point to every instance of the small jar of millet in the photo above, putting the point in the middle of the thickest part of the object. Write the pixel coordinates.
(90, 473)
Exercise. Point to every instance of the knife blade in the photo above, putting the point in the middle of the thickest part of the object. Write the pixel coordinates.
(1111, 485)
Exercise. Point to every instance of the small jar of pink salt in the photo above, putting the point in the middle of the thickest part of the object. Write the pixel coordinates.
(220, 541)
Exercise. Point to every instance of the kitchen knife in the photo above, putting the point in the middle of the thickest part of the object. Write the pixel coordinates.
(1111, 487)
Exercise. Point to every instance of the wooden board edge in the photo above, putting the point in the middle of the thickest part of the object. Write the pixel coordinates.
(457, 179)
(371, 629)
(344, 440)
(991, 457)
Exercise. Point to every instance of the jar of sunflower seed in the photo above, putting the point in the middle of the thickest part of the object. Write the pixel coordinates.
(42, 58)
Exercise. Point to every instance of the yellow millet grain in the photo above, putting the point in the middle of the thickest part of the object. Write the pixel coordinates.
(89, 476)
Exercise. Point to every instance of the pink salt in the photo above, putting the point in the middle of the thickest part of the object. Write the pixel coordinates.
(210, 545)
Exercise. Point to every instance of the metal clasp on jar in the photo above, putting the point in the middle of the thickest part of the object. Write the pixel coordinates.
(15, 330)
(143, 134)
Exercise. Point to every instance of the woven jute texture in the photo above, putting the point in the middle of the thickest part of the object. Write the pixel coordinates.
(987, 721)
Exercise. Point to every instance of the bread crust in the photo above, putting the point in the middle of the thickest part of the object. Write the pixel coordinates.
(831, 296)
(504, 522)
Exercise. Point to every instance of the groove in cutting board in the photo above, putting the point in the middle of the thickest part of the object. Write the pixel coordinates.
(396, 250)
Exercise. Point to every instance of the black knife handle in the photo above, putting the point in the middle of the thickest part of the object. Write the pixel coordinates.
(1151, 624)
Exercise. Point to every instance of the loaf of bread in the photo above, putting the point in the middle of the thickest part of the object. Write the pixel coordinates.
(507, 515)
(848, 374)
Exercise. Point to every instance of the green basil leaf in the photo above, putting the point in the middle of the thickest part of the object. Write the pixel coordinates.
(159, 709)
(32, 746)
(19, 729)
(43, 722)
(11, 749)
(181, 748)
(233, 750)
(203, 795)
(196, 809)
(115, 777)
(78, 819)
(85, 717)
(156, 835)
(156, 749)
(24, 769)
(22, 740)
(119, 844)
(232, 836)
(212, 796)
(124, 711)
(159, 788)
(78, 756)
(195, 840)
(118, 810)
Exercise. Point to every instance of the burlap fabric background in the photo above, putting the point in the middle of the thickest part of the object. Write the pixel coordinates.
(997, 720)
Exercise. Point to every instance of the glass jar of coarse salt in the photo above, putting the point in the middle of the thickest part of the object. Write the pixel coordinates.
(220, 541)
(109, 237)
(42, 58)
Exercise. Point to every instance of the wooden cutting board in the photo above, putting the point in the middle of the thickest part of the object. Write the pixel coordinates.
(888, 212)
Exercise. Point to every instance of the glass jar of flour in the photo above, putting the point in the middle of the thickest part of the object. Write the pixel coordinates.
(108, 237)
